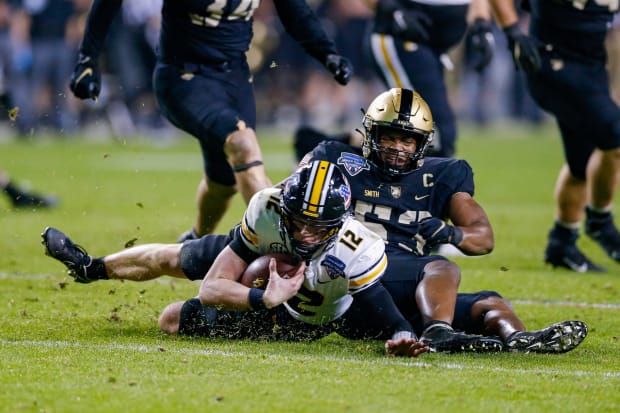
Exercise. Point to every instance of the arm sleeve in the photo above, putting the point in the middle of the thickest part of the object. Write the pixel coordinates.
(303, 24)
(379, 305)
(98, 22)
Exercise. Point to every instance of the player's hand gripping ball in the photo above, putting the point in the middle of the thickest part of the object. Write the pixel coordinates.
(257, 273)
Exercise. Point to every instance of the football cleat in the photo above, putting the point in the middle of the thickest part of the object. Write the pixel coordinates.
(557, 338)
(441, 338)
(31, 200)
(76, 259)
(569, 256)
(606, 236)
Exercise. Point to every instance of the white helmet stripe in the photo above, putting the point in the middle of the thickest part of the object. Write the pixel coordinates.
(318, 188)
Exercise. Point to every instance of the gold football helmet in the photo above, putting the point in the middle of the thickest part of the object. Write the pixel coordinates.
(402, 111)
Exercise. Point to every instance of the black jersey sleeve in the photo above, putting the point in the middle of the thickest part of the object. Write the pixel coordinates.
(242, 250)
(303, 24)
(98, 22)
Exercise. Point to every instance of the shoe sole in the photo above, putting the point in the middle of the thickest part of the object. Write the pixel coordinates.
(482, 345)
(572, 266)
(558, 338)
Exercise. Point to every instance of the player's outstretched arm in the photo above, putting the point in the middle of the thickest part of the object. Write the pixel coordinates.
(477, 233)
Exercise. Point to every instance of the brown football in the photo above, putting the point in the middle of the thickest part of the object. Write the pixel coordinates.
(257, 273)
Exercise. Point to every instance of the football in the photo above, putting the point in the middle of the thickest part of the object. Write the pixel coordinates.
(257, 273)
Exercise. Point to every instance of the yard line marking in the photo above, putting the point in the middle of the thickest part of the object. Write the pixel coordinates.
(551, 303)
(157, 349)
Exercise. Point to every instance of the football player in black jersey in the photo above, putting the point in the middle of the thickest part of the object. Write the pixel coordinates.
(408, 199)
(570, 81)
(204, 86)
(408, 47)
(402, 196)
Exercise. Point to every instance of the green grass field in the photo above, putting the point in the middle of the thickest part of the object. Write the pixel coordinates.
(67, 347)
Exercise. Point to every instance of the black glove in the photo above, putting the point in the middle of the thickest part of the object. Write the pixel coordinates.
(481, 42)
(523, 48)
(341, 68)
(432, 232)
(411, 25)
(85, 79)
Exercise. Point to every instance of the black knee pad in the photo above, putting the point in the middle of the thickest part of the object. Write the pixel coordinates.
(196, 319)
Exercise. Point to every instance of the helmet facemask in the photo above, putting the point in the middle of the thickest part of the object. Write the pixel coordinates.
(403, 113)
(317, 196)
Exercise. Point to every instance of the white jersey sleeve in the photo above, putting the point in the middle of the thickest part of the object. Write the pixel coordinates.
(260, 226)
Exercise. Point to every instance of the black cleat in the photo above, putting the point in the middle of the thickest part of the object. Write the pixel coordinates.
(441, 338)
(187, 235)
(60, 247)
(570, 257)
(605, 234)
(557, 338)
(23, 200)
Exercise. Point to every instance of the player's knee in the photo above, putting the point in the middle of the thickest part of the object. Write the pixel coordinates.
(195, 319)
(491, 302)
(446, 270)
(169, 318)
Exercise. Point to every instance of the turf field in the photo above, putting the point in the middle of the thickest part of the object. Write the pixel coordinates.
(67, 347)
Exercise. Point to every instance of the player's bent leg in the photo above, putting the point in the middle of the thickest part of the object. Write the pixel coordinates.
(213, 201)
(499, 319)
(601, 228)
(561, 249)
(436, 294)
(436, 297)
(169, 318)
(603, 176)
(492, 315)
(245, 157)
(188, 318)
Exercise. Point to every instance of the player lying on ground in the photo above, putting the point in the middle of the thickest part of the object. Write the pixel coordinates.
(445, 188)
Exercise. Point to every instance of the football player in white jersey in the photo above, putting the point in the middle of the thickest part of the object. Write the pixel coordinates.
(309, 218)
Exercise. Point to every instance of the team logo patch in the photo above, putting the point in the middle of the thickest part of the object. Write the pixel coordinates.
(354, 164)
(334, 267)
(396, 191)
(278, 248)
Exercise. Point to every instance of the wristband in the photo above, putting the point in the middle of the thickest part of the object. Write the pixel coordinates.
(403, 334)
(255, 297)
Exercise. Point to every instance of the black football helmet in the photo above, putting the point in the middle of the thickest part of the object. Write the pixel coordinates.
(317, 195)
(403, 111)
